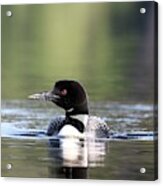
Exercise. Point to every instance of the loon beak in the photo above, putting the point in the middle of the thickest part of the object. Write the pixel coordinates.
(45, 96)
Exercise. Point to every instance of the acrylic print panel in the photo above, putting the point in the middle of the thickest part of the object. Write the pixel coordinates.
(79, 91)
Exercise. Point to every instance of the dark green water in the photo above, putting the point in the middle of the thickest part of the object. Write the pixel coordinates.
(123, 161)
(108, 47)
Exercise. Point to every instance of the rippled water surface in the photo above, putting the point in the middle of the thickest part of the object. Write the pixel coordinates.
(40, 156)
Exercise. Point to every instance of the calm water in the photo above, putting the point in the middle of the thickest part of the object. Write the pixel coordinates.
(107, 159)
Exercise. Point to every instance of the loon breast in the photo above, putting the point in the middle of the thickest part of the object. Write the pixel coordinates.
(70, 131)
(93, 127)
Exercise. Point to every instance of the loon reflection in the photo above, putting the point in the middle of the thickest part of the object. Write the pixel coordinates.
(72, 157)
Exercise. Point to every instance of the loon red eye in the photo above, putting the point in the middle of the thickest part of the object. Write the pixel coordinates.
(64, 92)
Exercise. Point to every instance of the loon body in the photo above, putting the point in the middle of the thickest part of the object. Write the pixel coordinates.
(71, 96)
(95, 127)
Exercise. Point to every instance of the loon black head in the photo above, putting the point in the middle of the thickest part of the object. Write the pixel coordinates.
(69, 95)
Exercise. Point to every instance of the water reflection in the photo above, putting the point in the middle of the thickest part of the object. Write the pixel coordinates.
(70, 156)
(73, 156)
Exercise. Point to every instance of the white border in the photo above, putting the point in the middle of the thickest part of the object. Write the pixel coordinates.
(53, 182)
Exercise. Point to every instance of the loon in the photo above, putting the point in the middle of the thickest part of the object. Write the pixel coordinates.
(72, 97)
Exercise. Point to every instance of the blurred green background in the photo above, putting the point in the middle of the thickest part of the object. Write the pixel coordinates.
(106, 46)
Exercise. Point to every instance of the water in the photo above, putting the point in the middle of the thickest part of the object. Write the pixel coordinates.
(41, 156)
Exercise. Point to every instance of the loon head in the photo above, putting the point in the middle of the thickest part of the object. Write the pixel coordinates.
(70, 96)
(67, 94)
